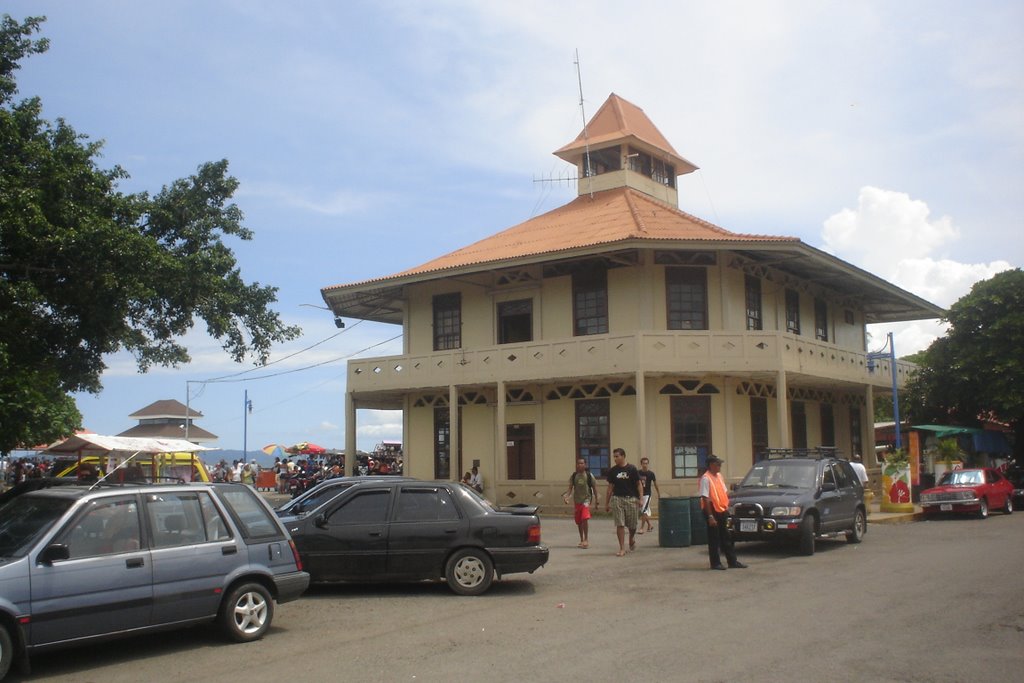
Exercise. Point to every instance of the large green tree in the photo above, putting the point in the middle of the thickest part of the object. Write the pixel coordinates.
(86, 270)
(976, 371)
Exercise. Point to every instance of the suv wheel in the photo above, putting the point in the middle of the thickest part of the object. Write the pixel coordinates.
(247, 612)
(860, 525)
(807, 535)
(469, 572)
(6, 651)
(983, 509)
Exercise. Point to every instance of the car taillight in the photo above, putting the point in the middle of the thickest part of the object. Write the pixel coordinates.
(295, 554)
(533, 534)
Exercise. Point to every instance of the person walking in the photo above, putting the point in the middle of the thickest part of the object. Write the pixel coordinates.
(583, 487)
(714, 501)
(623, 499)
(649, 479)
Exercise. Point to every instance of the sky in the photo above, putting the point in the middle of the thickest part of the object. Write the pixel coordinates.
(373, 136)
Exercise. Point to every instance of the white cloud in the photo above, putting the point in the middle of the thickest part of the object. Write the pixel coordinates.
(884, 229)
(894, 236)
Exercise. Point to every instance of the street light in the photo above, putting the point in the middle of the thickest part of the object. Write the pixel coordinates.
(246, 409)
(891, 355)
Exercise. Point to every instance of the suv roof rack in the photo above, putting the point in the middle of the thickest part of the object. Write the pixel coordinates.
(816, 453)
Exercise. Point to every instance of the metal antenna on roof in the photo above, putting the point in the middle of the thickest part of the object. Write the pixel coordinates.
(587, 171)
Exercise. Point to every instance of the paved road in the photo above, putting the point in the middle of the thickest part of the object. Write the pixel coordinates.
(929, 601)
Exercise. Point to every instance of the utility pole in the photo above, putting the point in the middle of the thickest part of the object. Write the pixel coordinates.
(246, 409)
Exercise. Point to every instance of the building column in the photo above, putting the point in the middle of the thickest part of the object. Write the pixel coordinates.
(782, 405)
(729, 395)
(641, 416)
(454, 447)
(350, 433)
(867, 428)
(499, 467)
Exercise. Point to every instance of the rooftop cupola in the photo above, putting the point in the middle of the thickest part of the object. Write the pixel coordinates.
(620, 147)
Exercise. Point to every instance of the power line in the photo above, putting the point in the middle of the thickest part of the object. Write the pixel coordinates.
(291, 355)
(231, 379)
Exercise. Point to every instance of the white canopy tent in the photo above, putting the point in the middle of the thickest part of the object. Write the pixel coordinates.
(98, 444)
(113, 452)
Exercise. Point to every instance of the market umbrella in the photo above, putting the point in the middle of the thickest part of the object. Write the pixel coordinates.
(275, 450)
(306, 448)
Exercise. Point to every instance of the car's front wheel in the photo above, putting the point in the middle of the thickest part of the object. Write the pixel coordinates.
(6, 651)
(860, 526)
(983, 509)
(469, 572)
(247, 612)
(807, 535)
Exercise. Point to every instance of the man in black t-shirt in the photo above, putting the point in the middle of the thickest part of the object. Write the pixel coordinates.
(648, 477)
(623, 499)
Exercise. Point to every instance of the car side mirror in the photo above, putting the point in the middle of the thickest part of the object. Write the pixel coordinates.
(52, 553)
(828, 486)
(320, 521)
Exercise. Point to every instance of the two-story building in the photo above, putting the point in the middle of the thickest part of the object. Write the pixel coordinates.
(618, 320)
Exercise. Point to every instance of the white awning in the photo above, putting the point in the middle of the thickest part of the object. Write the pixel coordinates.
(97, 444)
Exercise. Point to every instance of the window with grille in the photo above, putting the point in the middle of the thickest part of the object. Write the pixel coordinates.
(515, 321)
(792, 311)
(798, 422)
(856, 444)
(442, 443)
(753, 297)
(590, 302)
(820, 320)
(691, 435)
(758, 426)
(447, 321)
(828, 426)
(686, 294)
(593, 436)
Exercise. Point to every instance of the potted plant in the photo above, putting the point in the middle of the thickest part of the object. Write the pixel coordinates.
(947, 457)
(896, 482)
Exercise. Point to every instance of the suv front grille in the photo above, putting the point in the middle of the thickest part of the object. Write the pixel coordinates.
(749, 510)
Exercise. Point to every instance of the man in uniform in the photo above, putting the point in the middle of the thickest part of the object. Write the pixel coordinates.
(714, 501)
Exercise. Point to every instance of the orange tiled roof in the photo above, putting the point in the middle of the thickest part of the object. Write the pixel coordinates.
(620, 119)
(616, 215)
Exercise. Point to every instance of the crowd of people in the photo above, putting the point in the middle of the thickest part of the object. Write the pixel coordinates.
(17, 470)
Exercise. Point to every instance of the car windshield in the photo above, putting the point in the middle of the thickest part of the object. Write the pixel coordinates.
(961, 477)
(24, 519)
(780, 474)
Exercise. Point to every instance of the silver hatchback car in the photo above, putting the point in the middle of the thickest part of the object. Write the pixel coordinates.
(79, 564)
